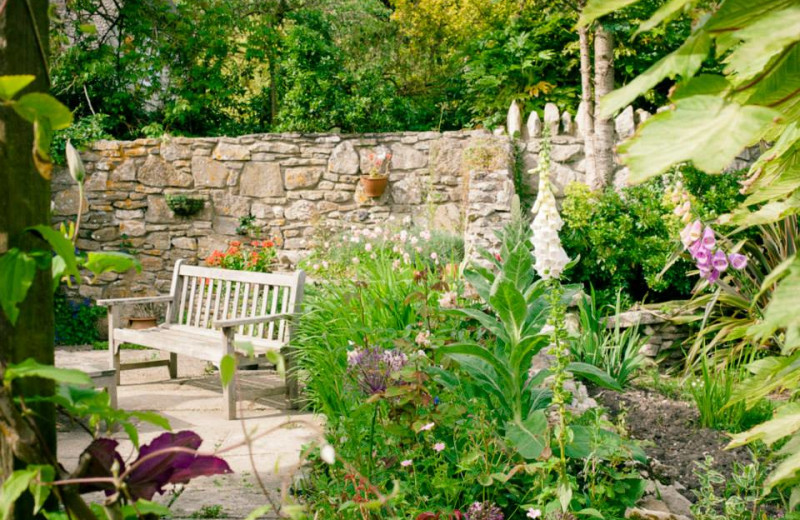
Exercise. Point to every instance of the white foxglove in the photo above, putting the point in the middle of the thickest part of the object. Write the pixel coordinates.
(550, 258)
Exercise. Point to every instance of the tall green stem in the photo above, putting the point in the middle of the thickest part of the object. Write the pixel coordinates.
(371, 440)
(561, 396)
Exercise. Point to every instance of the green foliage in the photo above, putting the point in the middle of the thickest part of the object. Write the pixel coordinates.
(741, 494)
(624, 241)
(754, 98)
(615, 351)
(76, 321)
(712, 393)
(183, 205)
(82, 132)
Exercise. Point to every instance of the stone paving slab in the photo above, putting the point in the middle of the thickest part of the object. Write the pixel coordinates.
(194, 401)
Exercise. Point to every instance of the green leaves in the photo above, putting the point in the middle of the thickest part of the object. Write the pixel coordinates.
(595, 375)
(37, 106)
(33, 478)
(529, 437)
(102, 262)
(11, 85)
(31, 368)
(227, 369)
(684, 62)
(17, 270)
(703, 129)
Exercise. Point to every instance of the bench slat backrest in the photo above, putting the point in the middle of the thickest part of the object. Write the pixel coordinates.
(205, 294)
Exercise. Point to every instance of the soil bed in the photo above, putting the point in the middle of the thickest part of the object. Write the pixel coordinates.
(670, 435)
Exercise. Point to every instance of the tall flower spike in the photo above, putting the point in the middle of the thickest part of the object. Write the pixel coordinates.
(549, 256)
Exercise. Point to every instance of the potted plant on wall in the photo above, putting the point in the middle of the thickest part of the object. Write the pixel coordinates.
(376, 179)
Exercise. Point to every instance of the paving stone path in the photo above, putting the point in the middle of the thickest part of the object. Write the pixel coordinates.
(194, 401)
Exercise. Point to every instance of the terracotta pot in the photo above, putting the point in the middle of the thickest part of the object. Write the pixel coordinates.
(143, 323)
(374, 186)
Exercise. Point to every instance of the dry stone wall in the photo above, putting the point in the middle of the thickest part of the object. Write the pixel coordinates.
(295, 185)
(292, 184)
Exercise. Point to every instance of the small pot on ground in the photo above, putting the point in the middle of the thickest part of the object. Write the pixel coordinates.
(374, 186)
(143, 316)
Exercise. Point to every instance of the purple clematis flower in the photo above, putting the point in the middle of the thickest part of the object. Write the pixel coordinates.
(719, 261)
(737, 261)
(171, 458)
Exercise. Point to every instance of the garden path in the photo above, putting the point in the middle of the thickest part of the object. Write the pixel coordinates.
(193, 401)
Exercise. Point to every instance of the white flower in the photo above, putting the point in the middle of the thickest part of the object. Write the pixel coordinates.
(406, 221)
(356, 261)
(425, 235)
(434, 256)
(368, 247)
(328, 454)
(550, 257)
(534, 513)
(75, 164)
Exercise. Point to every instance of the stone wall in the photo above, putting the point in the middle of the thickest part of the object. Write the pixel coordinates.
(664, 337)
(294, 185)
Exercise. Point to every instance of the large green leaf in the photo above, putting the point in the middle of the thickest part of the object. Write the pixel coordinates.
(594, 9)
(31, 368)
(763, 40)
(12, 489)
(703, 129)
(17, 270)
(101, 262)
(528, 437)
(770, 212)
(787, 422)
(62, 246)
(477, 351)
(489, 322)
(10, 85)
(36, 105)
(510, 306)
(486, 379)
(666, 12)
(779, 170)
(735, 14)
(782, 311)
(685, 61)
(518, 268)
(594, 374)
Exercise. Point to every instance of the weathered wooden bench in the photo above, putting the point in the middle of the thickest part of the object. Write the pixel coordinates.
(212, 313)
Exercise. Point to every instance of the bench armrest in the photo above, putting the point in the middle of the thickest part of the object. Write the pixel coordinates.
(131, 301)
(224, 324)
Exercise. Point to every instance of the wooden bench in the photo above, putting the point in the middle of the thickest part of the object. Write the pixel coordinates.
(210, 313)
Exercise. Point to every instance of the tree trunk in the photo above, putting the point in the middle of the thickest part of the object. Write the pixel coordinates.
(603, 128)
(25, 202)
(586, 111)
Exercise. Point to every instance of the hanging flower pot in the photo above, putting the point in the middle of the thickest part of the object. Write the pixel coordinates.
(374, 186)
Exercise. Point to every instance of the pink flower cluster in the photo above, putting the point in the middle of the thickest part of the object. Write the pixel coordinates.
(711, 260)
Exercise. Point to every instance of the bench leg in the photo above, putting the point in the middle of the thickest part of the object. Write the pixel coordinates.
(229, 390)
(173, 365)
(113, 348)
(292, 388)
(112, 393)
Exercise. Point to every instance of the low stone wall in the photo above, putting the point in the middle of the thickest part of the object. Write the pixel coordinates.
(664, 337)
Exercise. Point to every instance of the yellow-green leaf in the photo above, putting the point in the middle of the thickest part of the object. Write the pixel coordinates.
(10, 85)
(37, 105)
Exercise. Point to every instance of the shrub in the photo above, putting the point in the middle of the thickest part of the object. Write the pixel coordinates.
(628, 240)
(76, 321)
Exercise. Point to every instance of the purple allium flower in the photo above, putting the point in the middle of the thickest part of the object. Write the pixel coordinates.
(484, 511)
(737, 261)
(719, 261)
(373, 367)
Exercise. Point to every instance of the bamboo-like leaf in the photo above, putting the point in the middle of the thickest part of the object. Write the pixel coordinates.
(31, 368)
(763, 40)
(17, 270)
(665, 13)
(11, 85)
(594, 9)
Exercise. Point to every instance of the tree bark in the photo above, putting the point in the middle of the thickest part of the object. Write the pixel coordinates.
(603, 128)
(25, 202)
(586, 111)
